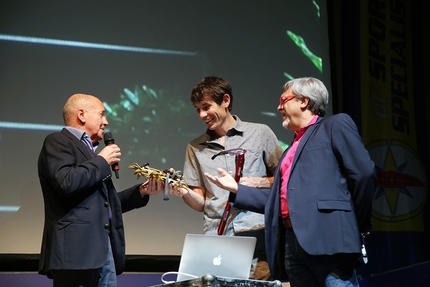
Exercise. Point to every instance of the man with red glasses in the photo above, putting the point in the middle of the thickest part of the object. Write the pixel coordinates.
(320, 203)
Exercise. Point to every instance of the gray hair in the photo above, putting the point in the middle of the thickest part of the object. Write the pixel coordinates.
(310, 88)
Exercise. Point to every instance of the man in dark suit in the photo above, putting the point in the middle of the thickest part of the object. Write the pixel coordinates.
(320, 203)
(83, 239)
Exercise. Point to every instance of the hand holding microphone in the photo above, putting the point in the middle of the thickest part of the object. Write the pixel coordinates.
(111, 153)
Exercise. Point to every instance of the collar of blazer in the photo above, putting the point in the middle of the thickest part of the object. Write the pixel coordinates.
(307, 135)
(77, 142)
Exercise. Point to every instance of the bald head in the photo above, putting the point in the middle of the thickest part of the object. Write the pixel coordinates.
(75, 103)
(87, 113)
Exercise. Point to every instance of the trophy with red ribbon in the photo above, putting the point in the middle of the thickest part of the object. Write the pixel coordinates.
(240, 160)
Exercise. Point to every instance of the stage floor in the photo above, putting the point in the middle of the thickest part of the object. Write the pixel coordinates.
(127, 279)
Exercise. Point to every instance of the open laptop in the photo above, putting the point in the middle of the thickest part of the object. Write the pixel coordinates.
(222, 256)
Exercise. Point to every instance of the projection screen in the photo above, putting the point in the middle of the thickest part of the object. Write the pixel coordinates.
(141, 58)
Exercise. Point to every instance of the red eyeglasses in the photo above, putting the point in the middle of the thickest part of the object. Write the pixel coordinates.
(284, 99)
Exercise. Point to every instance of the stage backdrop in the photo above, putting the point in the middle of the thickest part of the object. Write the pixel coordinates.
(393, 115)
(142, 59)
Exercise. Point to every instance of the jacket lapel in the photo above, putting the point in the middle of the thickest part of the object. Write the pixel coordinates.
(311, 129)
(79, 145)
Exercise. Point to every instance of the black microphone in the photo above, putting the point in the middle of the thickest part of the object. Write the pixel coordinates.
(108, 141)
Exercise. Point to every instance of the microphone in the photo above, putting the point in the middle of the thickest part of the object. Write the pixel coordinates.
(108, 141)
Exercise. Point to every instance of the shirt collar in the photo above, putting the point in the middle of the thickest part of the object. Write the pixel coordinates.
(79, 134)
(237, 129)
(301, 131)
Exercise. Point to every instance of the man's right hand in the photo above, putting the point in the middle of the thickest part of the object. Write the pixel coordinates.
(178, 191)
(226, 181)
(111, 154)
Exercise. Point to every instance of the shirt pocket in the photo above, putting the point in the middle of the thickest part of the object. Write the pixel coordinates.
(254, 164)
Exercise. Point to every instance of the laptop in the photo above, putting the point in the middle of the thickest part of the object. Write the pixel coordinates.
(222, 256)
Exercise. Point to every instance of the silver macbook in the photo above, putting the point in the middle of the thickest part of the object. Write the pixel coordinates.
(223, 256)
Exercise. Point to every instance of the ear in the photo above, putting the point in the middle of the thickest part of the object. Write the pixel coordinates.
(304, 103)
(226, 101)
(81, 116)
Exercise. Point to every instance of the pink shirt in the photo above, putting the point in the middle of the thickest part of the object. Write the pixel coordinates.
(286, 167)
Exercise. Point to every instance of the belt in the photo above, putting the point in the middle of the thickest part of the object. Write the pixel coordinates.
(287, 222)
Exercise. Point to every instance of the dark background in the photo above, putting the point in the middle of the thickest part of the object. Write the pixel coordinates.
(97, 47)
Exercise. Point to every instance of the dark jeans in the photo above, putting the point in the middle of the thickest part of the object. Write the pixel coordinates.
(308, 270)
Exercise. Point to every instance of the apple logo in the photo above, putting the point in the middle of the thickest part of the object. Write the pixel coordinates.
(217, 260)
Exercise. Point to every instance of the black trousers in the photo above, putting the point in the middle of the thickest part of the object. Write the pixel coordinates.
(308, 270)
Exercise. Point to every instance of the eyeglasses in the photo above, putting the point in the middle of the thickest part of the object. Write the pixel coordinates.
(284, 99)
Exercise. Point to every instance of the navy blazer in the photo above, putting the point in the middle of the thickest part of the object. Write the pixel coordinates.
(77, 221)
(330, 192)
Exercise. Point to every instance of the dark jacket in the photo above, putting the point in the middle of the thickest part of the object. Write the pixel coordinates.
(330, 192)
(77, 226)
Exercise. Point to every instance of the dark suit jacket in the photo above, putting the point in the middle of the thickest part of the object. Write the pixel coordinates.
(330, 192)
(77, 221)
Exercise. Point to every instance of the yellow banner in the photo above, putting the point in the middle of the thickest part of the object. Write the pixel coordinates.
(388, 114)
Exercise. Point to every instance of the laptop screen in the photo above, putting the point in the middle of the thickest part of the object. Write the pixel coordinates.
(223, 256)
